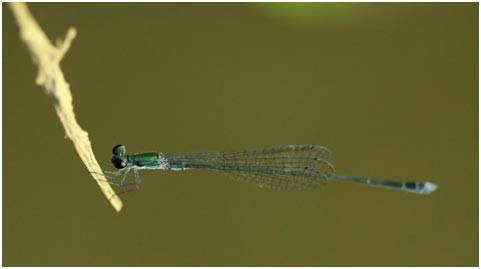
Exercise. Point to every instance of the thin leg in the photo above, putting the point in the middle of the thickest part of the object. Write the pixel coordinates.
(137, 179)
(112, 176)
(125, 176)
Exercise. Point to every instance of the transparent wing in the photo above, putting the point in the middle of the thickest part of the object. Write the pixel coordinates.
(293, 167)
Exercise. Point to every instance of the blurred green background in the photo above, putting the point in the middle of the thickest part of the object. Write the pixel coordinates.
(392, 89)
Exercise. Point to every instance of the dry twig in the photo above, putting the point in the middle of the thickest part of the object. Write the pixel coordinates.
(47, 57)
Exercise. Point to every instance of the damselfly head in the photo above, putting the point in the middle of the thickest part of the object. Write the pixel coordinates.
(120, 159)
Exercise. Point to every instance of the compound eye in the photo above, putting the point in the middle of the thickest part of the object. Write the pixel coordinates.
(119, 150)
(119, 163)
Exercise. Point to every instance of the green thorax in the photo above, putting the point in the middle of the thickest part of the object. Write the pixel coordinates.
(144, 159)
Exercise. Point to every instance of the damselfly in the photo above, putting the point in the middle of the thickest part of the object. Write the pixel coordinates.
(292, 167)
